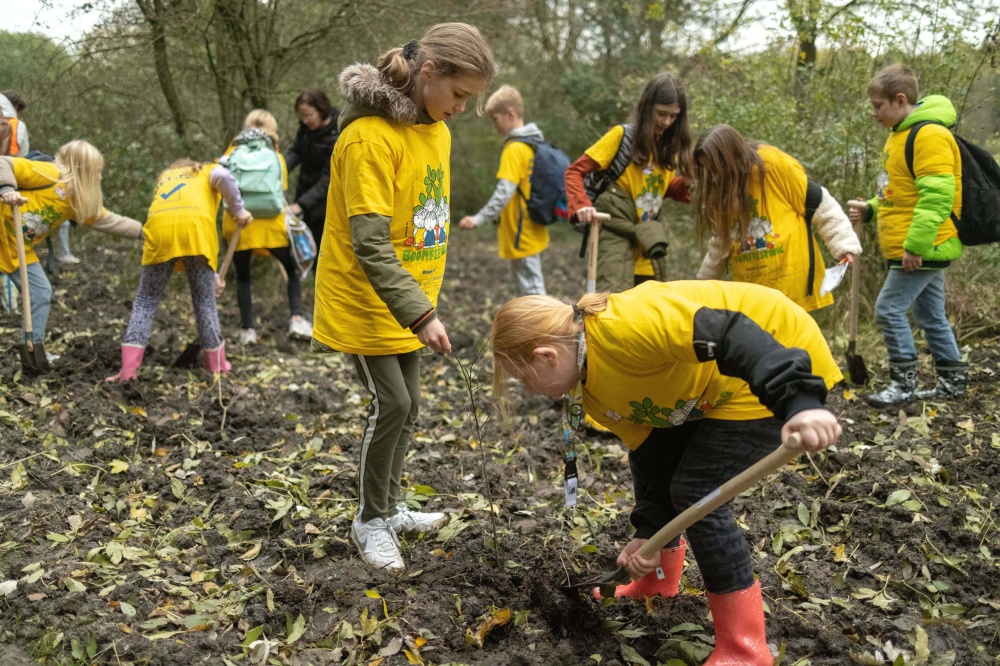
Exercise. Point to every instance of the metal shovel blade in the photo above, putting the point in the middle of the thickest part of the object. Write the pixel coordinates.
(606, 583)
(33, 358)
(856, 367)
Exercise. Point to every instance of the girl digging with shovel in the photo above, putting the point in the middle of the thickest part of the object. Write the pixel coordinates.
(700, 380)
(180, 235)
(49, 194)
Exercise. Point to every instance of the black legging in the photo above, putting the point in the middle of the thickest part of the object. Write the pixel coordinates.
(241, 261)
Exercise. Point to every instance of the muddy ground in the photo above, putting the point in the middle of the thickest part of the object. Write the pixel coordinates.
(176, 521)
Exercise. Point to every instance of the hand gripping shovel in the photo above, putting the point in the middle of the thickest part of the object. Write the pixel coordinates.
(706, 505)
(33, 357)
(855, 364)
(191, 354)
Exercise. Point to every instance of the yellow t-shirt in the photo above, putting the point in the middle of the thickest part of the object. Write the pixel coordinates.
(47, 208)
(775, 252)
(642, 368)
(646, 185)
(935, 154)
(518, 236)
(262, 233)
(401, 172)
(181, 219)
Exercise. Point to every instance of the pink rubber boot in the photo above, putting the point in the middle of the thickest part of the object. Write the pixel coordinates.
(662, 581)
(739, 629)
(215, 360)
(131, 360)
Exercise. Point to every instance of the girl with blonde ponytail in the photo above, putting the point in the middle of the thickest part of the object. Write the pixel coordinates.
(52, 193)
(700, 380)
(383, 253)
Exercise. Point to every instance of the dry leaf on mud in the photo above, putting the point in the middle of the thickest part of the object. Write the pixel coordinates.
(485, 624)
(252, 553)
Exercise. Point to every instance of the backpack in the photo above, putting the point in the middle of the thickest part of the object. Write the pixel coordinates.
(596, 182)
(547, 203)
(257, 169)
(980, 221)
(301, 243)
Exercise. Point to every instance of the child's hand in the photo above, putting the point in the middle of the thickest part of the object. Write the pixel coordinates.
(13, 198)
(243, 219)
(587, 215)
(912, 262)
(296, 209)
(636, 566)
(434, 336)
(856, 211)
(818, 429)
(467, 222)
(220, 285)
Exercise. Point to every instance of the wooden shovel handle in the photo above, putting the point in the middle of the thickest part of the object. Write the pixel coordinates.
(229, 252)
(23, 265)
(855, 297)
(592, 244)
(727, 491)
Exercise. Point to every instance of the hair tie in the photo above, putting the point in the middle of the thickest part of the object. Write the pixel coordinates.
(577, 313)
(410, 49)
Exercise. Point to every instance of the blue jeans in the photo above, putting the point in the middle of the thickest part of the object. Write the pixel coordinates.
(40, 291)
(923, 290)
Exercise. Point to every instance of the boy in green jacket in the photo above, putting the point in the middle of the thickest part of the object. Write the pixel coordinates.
(915, 212)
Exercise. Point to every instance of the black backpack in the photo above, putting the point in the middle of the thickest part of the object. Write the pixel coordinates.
(547, 203)
(980, 221)
(596, 182)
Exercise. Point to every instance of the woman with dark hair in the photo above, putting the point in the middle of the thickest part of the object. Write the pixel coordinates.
(311, 150)
(627, 174)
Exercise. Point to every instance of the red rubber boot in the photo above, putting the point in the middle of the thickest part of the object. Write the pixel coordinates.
(131, 360)
(739, 629)
(662, 581)
(215, 360)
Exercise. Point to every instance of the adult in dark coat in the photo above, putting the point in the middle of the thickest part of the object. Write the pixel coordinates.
(311, 150)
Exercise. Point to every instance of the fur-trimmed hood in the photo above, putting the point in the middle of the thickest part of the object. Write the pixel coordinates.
(368, 94)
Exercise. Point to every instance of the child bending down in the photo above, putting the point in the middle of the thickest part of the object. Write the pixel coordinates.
(751, 207)
(699, 379)
(180, 235)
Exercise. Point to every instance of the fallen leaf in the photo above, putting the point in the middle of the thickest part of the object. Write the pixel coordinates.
(485, 624)
(252, 553)
(118, 466)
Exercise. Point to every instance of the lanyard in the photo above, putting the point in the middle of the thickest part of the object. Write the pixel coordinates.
(572, 421)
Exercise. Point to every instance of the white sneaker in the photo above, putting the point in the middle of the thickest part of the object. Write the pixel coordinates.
(67, 259)
(300, 328)
(377, 544)
(406, 521)
(248, 336)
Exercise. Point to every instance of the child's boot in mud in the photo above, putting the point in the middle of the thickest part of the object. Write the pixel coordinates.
(739, 629)
(662, 581)
(131, 360)
(215, 360)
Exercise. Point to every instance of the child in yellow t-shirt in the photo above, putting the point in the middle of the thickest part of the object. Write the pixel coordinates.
(50, 194)
(180, 234)
(266, 236)
(627, 174)
(381, 261)
(751, 208)
(700, 380)
(519, 239)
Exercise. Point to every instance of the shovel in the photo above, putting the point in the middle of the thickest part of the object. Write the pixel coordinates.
(33, 357)
(592, 240)
(706, 505)
(191, 355)
(855, 364)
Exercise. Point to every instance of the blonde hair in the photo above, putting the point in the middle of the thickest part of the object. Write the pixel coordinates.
(455, 49)
(522, 325)
(80, 165)
(184, 163)
(265, 121)
(505, 97)
(895, 79)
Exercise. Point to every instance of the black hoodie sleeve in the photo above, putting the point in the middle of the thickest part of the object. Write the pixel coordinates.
(293, 156)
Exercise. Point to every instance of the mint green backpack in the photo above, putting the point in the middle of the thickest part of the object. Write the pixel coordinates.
(257, 169)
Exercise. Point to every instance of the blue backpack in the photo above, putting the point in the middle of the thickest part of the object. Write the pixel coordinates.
(547, 203)
(257, 169)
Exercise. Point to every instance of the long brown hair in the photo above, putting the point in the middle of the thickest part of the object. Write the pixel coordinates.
(456, 49)
(673, 149)
(725, 162)
(523, 324)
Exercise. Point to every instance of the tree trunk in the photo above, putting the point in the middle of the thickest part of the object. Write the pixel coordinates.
(153, 12)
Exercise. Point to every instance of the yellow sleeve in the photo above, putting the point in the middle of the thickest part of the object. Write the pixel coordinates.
(515, 161)
(604, 151)
(369, 174)
(31, 175)
(284, 172)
